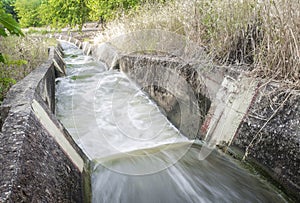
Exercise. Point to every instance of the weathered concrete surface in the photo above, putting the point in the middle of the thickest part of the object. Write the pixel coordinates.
(270, 135)
(106, 53)
(35, 167)
(174, 85)
(228, 109)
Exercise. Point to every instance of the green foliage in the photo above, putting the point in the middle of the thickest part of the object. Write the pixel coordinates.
(9, 8)
(60, 13)
(5, 84)
(21, 56)
(7, 24)
(109, 9)
(28, 12)
(8, 61)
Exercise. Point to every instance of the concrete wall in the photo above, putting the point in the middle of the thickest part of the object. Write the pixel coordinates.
(269, 135)
(175, 86)
(39, 160)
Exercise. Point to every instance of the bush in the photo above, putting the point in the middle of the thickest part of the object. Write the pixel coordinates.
(21, 55)
(110, 9)
(28, 12)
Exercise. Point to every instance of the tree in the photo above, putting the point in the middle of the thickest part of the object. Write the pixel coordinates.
(28, 12)
(60, 13)
(9, 8)
(108, 9)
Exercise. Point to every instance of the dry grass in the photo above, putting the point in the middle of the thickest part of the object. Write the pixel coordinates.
(278, 56)
(23, 55)
(264, 35)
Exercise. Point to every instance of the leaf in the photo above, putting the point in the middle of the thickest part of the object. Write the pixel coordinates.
(10, 24)
(2, 60)
(2, 32)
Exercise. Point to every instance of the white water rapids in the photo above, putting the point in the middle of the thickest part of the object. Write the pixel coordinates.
(138, 155)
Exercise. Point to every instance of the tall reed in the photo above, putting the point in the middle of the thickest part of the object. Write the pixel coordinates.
(263, 35)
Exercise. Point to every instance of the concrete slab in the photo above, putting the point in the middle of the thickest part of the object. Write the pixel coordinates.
(57, 135)
(229, 108)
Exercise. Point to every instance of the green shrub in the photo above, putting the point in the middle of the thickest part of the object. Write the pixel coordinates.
(28, 12)
(21, 55)
(110, 9)
(5, 84)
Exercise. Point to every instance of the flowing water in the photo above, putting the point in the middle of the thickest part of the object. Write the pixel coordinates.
(138, 155)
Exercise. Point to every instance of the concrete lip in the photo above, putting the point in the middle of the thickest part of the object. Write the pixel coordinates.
(57, 135)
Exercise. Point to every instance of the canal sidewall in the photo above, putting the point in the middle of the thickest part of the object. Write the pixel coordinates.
(40, 162)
